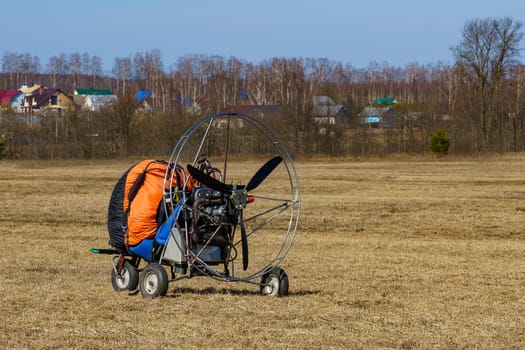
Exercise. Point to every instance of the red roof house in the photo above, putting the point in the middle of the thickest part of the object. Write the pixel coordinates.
(6, 96)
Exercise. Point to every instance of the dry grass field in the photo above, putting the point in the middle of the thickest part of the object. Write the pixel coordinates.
(390, 254)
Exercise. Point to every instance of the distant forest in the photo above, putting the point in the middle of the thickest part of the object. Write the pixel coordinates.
(477, 100)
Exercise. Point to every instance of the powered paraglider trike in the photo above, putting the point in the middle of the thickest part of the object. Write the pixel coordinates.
(226, 207)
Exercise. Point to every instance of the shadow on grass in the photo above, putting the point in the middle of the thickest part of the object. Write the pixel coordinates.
(230, 291)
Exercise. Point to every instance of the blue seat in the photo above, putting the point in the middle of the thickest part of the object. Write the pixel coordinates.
(163, 232)
(145, 248)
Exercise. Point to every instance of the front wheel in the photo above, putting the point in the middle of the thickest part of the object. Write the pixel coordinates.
(127, 279)
(154, 281)
(274, 283)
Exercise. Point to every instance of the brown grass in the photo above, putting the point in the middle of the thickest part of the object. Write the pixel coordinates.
(390, 254)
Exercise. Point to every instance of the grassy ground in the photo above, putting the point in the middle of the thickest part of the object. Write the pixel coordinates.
(389, 254)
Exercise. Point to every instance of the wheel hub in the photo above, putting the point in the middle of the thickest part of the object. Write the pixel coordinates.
(123, 278)
(151, 283)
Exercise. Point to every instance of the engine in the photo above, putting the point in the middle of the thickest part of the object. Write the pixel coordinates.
(211, 224)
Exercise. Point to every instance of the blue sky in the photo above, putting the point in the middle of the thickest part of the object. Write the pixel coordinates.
(357, 32)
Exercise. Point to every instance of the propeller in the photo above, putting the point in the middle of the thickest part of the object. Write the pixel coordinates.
(244, 243)
(237, 194)
(209, 181)
(254, 182)
(263, 173)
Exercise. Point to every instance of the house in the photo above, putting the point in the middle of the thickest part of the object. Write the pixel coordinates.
(28, 90)
(384, 101)
(17, 102)
(7, 97)
(327, 112)
(97, 92)
(93, 99)
(51, 99)
(189, 105)
(378, 117)
(145, 100)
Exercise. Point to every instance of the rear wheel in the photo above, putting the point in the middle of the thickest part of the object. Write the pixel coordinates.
(127, 279)
(275, 283)
(154, 281)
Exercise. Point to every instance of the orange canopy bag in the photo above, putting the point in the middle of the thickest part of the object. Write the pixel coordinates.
(143, 198)
(135, 209)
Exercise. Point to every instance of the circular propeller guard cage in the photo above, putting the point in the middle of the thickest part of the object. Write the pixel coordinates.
(256, 175)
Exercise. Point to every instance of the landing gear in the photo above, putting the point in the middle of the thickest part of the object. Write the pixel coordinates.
(274, 283)
(153, 281)
(126, 279)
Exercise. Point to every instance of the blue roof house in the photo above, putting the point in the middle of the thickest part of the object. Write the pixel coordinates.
(378, 117)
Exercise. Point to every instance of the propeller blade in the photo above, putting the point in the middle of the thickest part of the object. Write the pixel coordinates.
(263, 173)
(209, 181)
(244, 242)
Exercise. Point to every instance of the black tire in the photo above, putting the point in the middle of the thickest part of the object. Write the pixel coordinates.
(128, 278)
(275, 283)
(153, 281)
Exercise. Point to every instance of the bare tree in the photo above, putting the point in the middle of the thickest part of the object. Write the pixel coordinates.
(96, 69)
(190, 77)
(486, 53)
(257, 83)
(57, 66)
(139, 65)
(154, 76)
(86, 63)
(10, 66)
(75, 67)
(122, 70)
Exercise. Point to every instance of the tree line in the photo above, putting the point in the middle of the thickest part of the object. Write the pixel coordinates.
(477, 100)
